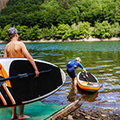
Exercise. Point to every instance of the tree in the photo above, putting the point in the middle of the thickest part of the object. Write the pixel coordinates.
(102, 30)
(4, 34)
(0, 32)
(23, 32)
(62, 31)
(117, 16)
(35, 33)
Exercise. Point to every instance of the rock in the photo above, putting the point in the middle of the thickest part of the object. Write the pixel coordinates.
(70, 117)
(77, 115)
(87, 117)
(103, 115)
(64, 118)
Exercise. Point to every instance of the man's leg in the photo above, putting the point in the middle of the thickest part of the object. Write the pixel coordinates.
(21, 115)
(14, 114)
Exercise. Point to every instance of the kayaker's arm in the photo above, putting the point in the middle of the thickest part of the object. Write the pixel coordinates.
(83, 69)
(85, 72)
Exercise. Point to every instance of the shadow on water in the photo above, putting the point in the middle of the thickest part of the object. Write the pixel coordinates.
(84, 95)
(72, 96)
(88, 96)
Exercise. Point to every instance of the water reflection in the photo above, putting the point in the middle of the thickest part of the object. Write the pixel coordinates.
(72, 96)
(87, 96)
(2, 47)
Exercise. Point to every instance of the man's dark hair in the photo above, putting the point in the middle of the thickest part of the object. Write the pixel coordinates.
(11, 32)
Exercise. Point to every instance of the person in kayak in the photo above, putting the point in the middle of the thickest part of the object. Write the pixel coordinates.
(71, 66)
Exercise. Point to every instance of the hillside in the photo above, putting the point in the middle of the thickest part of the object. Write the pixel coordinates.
(61, 19)
(54, 12)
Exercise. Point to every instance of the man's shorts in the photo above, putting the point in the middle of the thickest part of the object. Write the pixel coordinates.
(71, 72)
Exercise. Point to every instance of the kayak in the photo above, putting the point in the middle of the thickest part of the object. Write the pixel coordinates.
(90, 83)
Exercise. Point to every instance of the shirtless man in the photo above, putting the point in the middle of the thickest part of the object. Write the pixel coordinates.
(16, 48)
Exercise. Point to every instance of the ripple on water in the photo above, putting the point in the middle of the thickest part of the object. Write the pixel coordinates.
(100, 58)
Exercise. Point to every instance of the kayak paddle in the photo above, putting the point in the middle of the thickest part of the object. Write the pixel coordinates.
(86, 79)
(23, 75)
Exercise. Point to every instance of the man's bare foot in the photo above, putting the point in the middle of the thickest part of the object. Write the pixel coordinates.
(14, 117)
(23, 117)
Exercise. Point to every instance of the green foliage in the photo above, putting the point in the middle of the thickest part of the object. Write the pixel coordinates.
(4, 34)
(61, 19)
(62, 31)
(117, 16)
(115, 30)
(35, 33)
(105, 30)
(46, 13)
(102, 30)
(0, 32)
(23, 32)
(49, 33)
(81, 30)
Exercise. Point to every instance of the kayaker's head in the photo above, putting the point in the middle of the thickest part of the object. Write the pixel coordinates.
(12, 32)
(78, 59)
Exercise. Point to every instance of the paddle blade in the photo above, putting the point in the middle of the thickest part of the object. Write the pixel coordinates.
(89, 83)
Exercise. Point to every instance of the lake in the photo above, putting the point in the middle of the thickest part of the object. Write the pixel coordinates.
(100, 58)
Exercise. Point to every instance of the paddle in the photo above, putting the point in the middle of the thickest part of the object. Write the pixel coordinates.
(23, 75)
(86, 79)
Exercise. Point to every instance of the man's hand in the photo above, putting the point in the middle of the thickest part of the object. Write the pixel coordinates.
(37, 73)
(86, 75)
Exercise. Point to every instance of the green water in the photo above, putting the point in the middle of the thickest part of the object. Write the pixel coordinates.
(100, 58)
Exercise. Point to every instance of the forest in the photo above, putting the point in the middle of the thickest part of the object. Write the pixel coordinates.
(61, 19)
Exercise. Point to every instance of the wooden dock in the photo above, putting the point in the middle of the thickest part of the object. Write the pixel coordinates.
(67, 110)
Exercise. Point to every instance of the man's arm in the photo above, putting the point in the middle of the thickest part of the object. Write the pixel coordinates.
(29, 57)
(83, 69)
(85, 72)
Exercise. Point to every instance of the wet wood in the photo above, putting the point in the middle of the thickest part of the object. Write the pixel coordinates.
(67, 110)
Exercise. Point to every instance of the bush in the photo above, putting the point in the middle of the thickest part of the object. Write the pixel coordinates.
(35, 33)
(102, 30)
(62, 31)
(0, 32)
(81, 30)
(4, 34)
(23, 32)
(49, 33)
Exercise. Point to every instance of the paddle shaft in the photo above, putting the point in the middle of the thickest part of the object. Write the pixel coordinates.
(23, 75)
(86, 79)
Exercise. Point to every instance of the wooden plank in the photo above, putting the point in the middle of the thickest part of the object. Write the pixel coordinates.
(65, 111)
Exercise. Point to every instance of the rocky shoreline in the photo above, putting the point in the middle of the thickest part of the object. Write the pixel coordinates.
(90, 39)
(75, 111)
(90, 114)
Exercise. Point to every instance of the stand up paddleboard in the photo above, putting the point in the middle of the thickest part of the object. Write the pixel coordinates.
(18, 84)
(89, 83)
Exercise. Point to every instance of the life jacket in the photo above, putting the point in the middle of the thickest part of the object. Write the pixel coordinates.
(70, 64)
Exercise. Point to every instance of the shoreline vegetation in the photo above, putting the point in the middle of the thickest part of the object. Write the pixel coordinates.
(61, 20)
(90, 39)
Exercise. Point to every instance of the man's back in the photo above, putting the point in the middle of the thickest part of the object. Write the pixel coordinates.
(14, 49)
